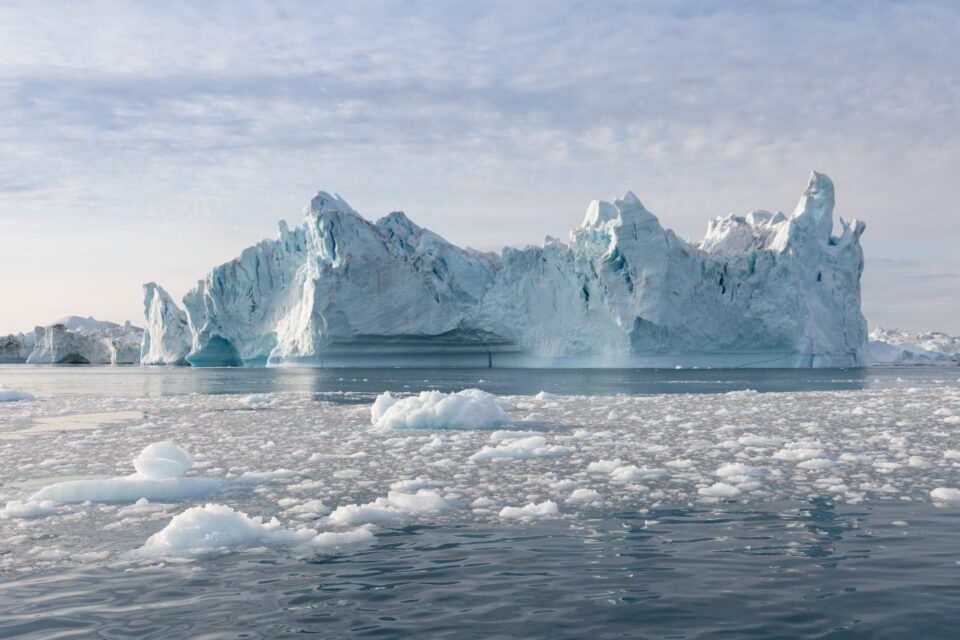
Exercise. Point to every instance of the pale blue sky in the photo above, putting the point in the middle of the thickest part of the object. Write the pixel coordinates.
(150, 141)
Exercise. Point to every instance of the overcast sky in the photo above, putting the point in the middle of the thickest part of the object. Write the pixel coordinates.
(151, 141)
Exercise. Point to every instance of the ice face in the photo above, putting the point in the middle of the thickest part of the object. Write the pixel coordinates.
(759, 290)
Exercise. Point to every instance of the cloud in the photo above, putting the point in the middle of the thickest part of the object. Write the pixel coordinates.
(492, 123)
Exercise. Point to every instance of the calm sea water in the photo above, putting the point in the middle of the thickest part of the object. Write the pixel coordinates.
(786, 570)
(158, 381)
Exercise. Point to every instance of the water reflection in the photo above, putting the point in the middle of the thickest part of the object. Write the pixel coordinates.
(333, 384)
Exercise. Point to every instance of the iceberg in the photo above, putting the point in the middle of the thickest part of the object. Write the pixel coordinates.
(92, 342)
(761, 290)
(166, 339)
(892, 346)
(15, 347)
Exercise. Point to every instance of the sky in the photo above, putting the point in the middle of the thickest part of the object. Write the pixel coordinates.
(150, 141)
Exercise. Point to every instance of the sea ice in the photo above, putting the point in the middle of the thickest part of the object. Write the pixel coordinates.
(672, 451)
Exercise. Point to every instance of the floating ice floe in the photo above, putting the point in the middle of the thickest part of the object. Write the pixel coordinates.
(467, 409)
(259, 401)
(28, 509)
(396, 506)
(159, 469)
(12, 395)
(530, 511)
(213, 528)
(521, 448)
(946, 496)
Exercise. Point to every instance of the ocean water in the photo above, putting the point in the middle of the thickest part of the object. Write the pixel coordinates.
(824, 525)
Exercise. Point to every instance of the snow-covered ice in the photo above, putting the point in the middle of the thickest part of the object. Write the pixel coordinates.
(769, 290)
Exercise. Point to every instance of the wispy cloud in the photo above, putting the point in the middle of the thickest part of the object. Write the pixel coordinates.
(492, 123)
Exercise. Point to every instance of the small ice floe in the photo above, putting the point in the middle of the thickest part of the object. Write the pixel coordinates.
(520, 449)
(13, 395)
(159, 469)
(467, 409)
(259, 401)
(396, 506)
(546, 395)
(16, 509)
(218, 528)
(583, 496)
(742, 393)
(946, 496)
(719, 490)
(530, 511)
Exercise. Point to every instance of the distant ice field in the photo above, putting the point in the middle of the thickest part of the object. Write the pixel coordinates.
(639, 503)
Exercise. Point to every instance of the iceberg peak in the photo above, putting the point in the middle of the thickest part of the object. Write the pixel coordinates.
(324, 203)
(632, 210)
(817, 202)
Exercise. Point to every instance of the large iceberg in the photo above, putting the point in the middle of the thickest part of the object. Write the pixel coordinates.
(760, 290)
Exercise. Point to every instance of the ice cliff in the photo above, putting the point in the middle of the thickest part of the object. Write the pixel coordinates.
(759, 290)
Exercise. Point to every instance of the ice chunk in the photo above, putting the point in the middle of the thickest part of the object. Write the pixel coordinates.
(530, 511)
(719, 490)
(129, 489)
(581, 496)
(521, 449)
(946, 496)
(162, 460)
(159, 467)
(29, 509)
(467, 409)
(396, 506)
(217, 527)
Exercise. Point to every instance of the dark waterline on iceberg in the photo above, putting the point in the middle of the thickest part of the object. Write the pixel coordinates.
(51, 380)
